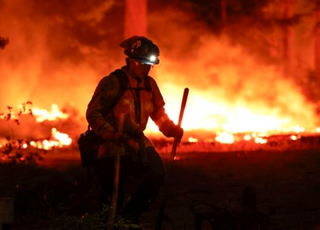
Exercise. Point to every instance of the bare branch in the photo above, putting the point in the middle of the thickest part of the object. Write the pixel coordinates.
(3, 42)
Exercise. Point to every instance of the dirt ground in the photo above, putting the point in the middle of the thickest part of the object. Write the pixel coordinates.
(286, 186)
(283, 191)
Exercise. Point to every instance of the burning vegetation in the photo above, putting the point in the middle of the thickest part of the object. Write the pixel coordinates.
(26, 148)
(250, 78)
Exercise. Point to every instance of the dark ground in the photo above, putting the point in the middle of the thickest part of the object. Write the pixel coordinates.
(286, 185)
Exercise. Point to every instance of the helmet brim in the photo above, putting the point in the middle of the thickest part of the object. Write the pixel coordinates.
(147, 62)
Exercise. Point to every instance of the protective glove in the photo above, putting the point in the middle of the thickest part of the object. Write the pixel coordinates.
(169, 129)
(177, 133)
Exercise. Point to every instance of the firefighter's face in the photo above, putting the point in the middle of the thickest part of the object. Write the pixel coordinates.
(140, 69)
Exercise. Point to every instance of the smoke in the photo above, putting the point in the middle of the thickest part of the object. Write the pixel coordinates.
(58, 51)
(226, 75)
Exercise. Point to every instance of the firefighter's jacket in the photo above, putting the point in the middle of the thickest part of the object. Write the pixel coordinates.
(129, 116)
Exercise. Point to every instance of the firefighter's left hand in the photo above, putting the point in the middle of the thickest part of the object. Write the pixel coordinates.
(178, 133)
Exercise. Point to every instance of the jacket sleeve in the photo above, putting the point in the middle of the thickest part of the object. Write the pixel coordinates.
(159, 115)
(102, 98)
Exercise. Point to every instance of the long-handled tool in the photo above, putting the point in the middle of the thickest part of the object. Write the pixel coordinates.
(173, 153)
(114, 200)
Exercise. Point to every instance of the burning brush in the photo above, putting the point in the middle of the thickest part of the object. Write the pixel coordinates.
(22, 146)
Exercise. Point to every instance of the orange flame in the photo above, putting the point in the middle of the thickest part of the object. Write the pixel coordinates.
(58, 139)
(55, 113)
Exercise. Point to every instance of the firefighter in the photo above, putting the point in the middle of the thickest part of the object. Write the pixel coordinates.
(123, 129)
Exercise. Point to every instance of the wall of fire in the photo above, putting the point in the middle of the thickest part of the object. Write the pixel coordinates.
(250, 68)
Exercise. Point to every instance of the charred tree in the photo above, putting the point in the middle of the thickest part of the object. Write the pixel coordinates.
(317, 41)
(135, 18)
(287, 35)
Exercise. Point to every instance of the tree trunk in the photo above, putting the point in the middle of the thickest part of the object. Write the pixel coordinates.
(287, 36)
(317, 41)
(135, 22)
(223, 10)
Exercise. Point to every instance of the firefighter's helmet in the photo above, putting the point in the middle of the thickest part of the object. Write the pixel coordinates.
(142, 49)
